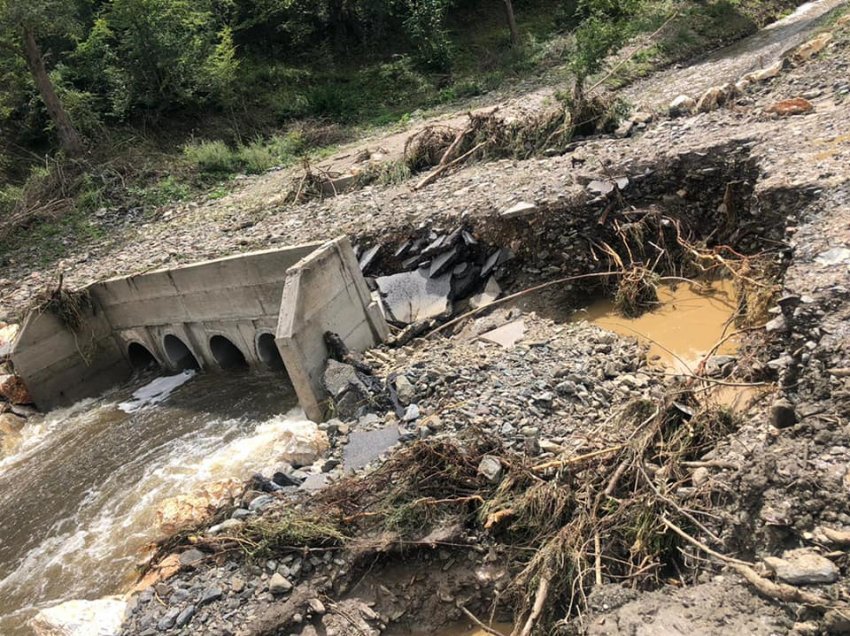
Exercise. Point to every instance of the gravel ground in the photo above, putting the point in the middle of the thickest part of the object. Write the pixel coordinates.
(780, 479)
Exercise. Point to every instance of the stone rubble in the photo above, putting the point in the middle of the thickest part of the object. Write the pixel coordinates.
(560, 384)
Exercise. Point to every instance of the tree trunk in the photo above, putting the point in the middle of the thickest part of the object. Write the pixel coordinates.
(69, 138)
(509, 9)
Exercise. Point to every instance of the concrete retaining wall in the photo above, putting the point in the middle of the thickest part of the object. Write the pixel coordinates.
(294, 294)
(324, 292)
(60, 366)
(235, 297)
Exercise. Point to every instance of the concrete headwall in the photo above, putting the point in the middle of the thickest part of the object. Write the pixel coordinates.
(287, 296)
(236, 297)
(324, 292)
(61, 366)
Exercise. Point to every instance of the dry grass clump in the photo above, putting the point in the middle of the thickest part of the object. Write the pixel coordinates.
(426, 147)
(416, 489)
(755, 294)
(310, 185)
(69, 306)
(624, 510)
(486, 135)
(617, 503)
(287, 531)
(636, 292)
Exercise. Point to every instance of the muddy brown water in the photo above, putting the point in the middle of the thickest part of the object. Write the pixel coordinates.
(690, 319)
(463, 629)
(78, 502)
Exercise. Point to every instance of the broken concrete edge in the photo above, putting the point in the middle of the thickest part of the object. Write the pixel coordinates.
(59, 366)
(338, 185)
(324, 291)
(222, 260)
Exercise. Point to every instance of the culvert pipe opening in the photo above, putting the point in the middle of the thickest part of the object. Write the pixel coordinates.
(179, 354)
(268, 352)
(141, 359)
(226, 354)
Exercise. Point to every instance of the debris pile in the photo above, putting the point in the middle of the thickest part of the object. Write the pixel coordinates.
(435, 275)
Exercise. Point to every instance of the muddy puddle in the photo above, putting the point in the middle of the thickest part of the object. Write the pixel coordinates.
(689, 321)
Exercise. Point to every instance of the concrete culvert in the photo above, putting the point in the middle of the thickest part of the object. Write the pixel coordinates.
(227, 354)
(141, 359)
(268, 352)
(179, 354)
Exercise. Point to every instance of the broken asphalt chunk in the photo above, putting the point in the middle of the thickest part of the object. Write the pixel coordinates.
(368, 257)
(414, 296)
(497, 258)
(442, 262)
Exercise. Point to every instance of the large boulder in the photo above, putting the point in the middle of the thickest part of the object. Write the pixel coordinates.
(811, 48)
(102, 617)
(301, 443)
(715, 97)
(788, 107)
(682, 105)
(765, 73)
(189, 510)
(803, 566)
(163, 570)
(345, 387)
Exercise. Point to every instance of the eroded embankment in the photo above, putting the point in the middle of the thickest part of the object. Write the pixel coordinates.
(531, 475)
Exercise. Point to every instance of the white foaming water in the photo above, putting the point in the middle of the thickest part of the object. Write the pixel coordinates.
(38, 429)
(156, 391)
(79, 502)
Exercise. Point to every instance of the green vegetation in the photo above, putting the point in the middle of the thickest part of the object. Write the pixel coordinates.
(125, 104)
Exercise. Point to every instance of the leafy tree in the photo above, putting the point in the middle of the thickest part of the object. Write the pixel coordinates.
(160, 54)
(23, 24)
(424, 23)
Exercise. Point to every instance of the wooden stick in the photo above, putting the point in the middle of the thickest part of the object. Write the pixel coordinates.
(597, 546)
(702, 546)
(575, 460)
(519, 294)
(536, 610)
(440, 170)
(479, 623)
(453, 146)
(714, 463)
(781, 591)
(777, 591)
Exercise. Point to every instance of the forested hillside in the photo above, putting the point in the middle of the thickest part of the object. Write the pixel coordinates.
(137, 103)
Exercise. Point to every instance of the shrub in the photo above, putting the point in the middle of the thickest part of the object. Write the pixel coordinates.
(257, 157)
(163, 192)
(10, 195)
(211, 156)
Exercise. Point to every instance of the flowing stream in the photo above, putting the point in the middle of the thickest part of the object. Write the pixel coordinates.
(78, 501)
